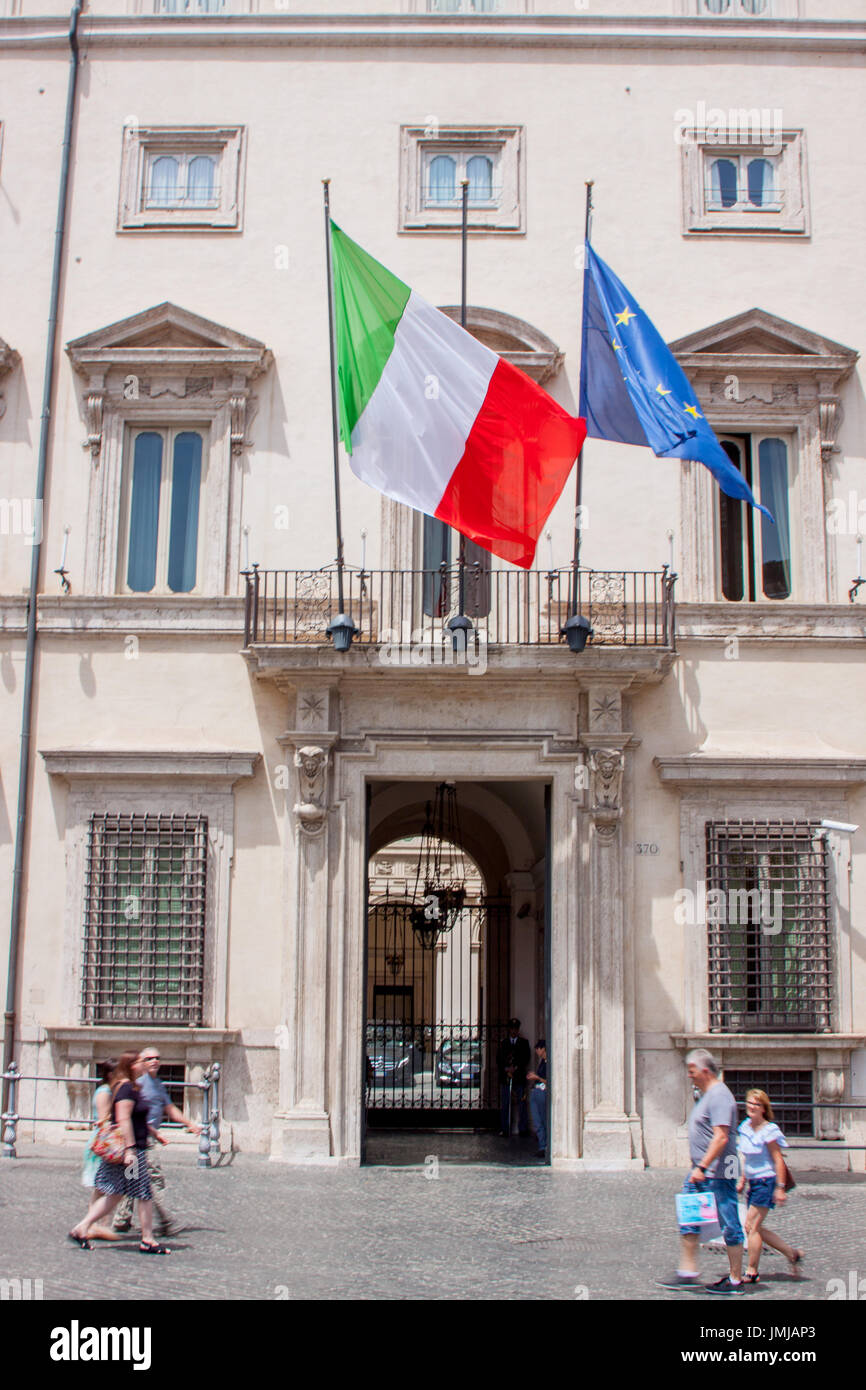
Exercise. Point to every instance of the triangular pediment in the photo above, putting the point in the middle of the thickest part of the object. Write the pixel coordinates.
(757, 333)
(164, 326)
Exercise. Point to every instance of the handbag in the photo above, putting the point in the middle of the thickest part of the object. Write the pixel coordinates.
(789, 1183)
(109, 1141)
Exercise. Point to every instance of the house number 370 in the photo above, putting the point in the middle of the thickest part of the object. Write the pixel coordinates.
(641, 847)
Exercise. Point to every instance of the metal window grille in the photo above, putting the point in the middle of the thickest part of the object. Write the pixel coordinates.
(790, 1095)
(144, 919)
(768, 927)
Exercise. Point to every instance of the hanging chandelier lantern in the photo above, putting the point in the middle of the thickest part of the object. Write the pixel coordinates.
(439, 892)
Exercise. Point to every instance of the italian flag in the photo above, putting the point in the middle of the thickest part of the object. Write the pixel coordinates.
(433, 418)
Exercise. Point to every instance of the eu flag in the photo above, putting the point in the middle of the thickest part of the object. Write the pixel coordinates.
(633, 390)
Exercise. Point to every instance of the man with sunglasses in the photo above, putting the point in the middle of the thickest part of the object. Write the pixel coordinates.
(160, 1107)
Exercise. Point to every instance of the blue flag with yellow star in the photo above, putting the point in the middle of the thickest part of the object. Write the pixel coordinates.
(633, 390)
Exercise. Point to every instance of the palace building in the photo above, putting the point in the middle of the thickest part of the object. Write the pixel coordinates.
(340, 873)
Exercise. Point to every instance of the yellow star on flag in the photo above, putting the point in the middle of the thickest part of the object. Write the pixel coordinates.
(693, 410)
(661, 390)
(625, 316)
(616, 346)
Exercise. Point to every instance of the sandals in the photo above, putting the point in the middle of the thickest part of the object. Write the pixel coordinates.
(153, 1248)
(794, 1265)
(751, 1278)
(82, 1241)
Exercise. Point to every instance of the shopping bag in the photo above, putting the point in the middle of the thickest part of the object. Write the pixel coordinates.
(699, 1209)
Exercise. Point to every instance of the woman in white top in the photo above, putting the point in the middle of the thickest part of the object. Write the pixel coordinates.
(760, 1143)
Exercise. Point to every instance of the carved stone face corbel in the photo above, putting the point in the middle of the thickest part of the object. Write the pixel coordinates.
(311, 808)
(606, 768)
(94, 405)
(829, 420)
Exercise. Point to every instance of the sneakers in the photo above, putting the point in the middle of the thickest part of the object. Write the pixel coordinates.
(724, 1286)
(679, 1281)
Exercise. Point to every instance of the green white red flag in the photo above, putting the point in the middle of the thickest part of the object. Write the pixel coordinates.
(433, 418)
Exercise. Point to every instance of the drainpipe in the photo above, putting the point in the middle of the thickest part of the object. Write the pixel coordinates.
(30, 656)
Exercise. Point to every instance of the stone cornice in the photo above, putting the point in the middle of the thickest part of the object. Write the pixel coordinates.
(769, 1042)
(104, 1035)
(708, 770)
(771, 623)
(213, 767)
(527, 32)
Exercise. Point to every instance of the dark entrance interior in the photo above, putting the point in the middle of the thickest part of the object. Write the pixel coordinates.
(438, 1002)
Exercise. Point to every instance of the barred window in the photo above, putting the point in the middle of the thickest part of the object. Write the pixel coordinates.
(768, 927)
(790, 1095)
(144, 919)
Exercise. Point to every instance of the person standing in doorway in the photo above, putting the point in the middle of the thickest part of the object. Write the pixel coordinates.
(538, 1097)
(512, 1064)
(715, 1169)
(159, 1108)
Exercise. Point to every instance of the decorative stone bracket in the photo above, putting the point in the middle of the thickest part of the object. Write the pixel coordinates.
(606, 768)
(311, 808)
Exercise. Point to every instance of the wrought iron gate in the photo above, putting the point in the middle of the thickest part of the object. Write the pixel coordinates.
(436, 1012)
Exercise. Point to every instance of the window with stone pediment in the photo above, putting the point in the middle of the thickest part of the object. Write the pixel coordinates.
(772, 392)
(167, 400)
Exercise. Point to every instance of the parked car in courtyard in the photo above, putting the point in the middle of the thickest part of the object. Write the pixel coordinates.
(459, 1064)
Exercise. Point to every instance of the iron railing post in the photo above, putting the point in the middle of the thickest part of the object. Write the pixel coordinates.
(215, 1110)
(10, 1118)
(204, 1137)
(256, 582)
(248, 599)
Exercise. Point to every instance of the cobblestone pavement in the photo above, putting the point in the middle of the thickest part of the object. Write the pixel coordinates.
(260, 1230)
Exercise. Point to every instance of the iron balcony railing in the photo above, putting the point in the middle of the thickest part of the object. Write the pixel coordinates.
(626, 608)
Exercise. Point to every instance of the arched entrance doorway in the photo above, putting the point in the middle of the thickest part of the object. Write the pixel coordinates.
(438, 996)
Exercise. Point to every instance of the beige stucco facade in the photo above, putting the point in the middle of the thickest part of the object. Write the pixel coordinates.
(146, 703)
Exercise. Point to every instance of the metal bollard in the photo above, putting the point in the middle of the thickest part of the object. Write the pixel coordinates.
(10, 1118)
(204, 1137)
(215, 1110)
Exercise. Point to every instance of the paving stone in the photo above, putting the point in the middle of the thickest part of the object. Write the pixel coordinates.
(261, 1230)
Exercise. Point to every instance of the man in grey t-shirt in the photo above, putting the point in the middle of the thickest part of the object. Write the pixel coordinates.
(715, 1168)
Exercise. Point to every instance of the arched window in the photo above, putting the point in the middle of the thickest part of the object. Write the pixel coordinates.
(163, 536)
(755, 553)
(761, 182)
(442, 179)
(163, 181)
(200, 179)
(723, 183)
(717, 6)
(754, 6)
(479, 172)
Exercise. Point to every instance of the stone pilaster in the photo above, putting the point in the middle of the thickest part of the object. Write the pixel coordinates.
(301, 1130)
(611, 1131)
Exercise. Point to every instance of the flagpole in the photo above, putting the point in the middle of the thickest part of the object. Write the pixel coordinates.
(579, 481)
(464, 193)
(342, 629)
(459, 625)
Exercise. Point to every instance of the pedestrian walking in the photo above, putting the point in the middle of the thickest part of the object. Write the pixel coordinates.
(101, 1111)
(715, 1168)
(159, 1107)
(538, 1097)
(760, 1143)
(512, 1064)
(130, 1177)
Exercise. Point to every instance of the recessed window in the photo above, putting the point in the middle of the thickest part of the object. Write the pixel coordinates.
(768, 927)
(180, 180)
(464, 6)
(181, 177)
(441, 550)
(164, 493)
(435, 162)
(755, 554)
(144, 919)
(746, 9)
(747, 178)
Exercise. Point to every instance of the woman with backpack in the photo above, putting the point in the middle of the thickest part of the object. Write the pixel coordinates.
(123, 1170)
(760, 1143)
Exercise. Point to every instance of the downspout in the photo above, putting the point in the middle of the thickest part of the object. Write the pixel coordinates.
(41, 471)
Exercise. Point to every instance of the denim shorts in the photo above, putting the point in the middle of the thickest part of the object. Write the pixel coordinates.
(725, 1192)
(760, 1192)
